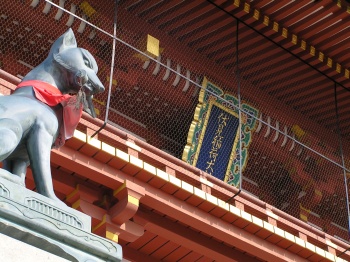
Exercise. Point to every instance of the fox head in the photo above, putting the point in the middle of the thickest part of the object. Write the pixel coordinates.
(78, 68)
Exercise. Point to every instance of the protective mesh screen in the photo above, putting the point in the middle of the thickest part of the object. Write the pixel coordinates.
(297, 107)
(29, 28)
(343, 98)
(155, 100)
(293, 159)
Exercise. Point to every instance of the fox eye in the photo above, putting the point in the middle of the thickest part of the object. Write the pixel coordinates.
(87, 63)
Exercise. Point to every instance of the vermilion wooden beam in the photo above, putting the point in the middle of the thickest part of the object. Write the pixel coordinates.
(313, 18)
(192, 32)
(180, 9)
(128, 195)
(184, 236)
(328, 104)
(260, 4)
(205, 43)
(143, 5)
(299, 94)
(220, 230)
(318, 38)
(286, 10)
(327, 110)
(320, 26)
(341, 55)
(295, 79)
(337, 47)
(136, 255)
(293, 17)
(103, 225)
(148, 12)
(272, 7)
(212, 19)
(126, 3)
(259, 75)
(211, 48)
(130, 231)
(158, 199)
(332, 42)
(82, 192)
(87, 166)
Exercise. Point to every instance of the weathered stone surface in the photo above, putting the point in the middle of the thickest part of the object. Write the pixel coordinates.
(10, 252)
(42, 207)
(53, 227)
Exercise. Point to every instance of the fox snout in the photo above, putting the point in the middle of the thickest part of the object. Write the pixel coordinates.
(100, 88)
(94, 84)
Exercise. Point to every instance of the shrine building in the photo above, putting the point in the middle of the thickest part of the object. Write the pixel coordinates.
(224, 130)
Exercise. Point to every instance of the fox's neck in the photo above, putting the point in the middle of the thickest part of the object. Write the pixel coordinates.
(48, 73)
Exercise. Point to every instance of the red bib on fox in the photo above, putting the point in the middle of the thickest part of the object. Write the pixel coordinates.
(52, 96)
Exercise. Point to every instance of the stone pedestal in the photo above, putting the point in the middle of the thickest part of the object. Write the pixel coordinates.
(13, 250)
(50, 227)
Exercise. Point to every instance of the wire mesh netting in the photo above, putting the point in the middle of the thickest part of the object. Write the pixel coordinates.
(156, 99)
(295, 156)
(343, 96)
(289, 152)
(25, 42)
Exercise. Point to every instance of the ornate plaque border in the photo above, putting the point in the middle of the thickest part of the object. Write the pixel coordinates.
(211, 95)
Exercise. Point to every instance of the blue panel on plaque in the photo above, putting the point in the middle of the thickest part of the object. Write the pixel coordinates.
(218, 142)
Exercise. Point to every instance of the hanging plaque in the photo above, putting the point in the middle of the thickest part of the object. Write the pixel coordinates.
(213, 143)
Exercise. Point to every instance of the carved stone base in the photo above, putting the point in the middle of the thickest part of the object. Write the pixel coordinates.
(57, 229)
(9, 252)
(11, 177)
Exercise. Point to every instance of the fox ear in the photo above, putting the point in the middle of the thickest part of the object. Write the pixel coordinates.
(65, 41)
(69, 40)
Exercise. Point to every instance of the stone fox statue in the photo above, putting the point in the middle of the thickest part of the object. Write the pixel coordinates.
(41, 113)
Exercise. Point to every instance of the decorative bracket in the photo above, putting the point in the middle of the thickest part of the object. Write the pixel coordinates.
(128, 195)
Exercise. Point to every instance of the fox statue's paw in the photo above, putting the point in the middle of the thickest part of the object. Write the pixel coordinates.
(58, 202)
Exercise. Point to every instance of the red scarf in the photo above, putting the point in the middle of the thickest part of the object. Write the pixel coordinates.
(52, 96)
